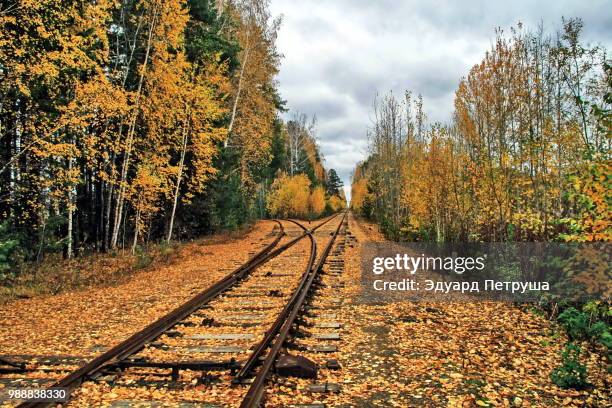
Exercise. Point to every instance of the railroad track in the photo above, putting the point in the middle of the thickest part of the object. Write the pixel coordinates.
(241, 329)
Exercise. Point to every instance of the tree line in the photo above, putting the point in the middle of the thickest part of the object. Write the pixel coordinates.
(303, 189)
(127, 121)
(526, 156)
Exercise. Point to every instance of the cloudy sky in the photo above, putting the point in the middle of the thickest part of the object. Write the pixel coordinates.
(339, 53)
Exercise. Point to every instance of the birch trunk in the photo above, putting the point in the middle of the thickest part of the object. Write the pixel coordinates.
(130, 139)
(70, 213)
(136, 230)
(178, 177)
(70, 222)
(239, 90)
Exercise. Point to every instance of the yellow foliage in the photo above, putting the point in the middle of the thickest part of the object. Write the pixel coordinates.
(359, 191)
(593, 194)
(593, 270)
(336, 203)
(145, 192)
(495, 173)
(289, 196)
(316, 201)
(252, 101)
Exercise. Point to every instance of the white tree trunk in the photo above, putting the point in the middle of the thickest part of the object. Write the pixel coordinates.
(70, 213)
(178, 178)
(69, 241)
(239, 90)
(136, 230)
(130, 139)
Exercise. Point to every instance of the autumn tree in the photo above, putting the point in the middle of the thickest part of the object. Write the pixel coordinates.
(303, 153)
(113, 118)
(359, 191)
(254, 100)
(336, 203)
(290, 196)
(526, 156)
(45, 52)
(316, 201)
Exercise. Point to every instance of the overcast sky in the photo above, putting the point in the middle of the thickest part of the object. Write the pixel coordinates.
(339, 53)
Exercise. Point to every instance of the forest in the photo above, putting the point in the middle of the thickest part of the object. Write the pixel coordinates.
(136, 121)
(141, 141)
(526, 156)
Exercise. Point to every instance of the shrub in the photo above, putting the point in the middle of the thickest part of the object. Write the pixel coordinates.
(575, 323)
(571, 373)
(606, 338)
(165, 250)
(597, 310)
(579, 326)
(143, 258)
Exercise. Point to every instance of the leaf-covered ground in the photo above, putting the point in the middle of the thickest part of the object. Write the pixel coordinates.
(404, 354)
(85, 323)
(414, 354)
(439, 354)
(88, 321)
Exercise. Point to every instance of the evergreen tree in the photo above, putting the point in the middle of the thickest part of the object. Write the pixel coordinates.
(334, 184)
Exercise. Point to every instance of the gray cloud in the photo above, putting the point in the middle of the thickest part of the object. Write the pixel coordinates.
(325, 108)
(339, 54)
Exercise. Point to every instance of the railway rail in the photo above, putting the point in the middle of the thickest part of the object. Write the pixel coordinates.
(277, 337)
(138, 352)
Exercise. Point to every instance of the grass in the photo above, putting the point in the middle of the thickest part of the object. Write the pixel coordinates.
(55, 275)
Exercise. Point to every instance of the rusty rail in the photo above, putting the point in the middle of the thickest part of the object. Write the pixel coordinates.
(272, 332)
(137, 341)
(254, 395)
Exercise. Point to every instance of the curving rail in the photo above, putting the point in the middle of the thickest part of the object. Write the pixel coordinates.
(255, 393)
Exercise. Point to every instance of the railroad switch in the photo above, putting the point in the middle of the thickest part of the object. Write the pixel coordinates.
(289, 365)
(300, 334)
